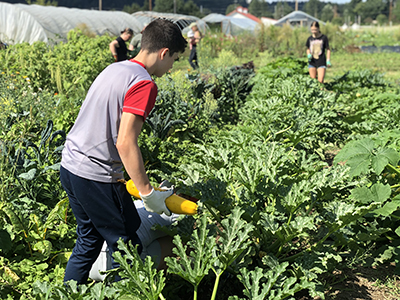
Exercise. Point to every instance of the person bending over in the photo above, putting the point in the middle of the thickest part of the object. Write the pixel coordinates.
(104, 140)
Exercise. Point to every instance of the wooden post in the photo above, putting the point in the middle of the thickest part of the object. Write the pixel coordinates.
(100, 5)
(390, 10)
(296, 8)
(150, 8)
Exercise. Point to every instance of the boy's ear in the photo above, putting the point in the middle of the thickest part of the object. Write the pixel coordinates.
(164, 52)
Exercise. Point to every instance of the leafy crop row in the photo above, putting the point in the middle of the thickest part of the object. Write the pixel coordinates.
(295, 180)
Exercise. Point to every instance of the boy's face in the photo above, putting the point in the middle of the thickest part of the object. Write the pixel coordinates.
(166, 63)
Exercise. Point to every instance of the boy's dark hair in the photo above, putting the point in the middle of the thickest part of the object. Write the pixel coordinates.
(315, 24)
(162, 33)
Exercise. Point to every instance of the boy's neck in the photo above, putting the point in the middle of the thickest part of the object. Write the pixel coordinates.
(148, 60)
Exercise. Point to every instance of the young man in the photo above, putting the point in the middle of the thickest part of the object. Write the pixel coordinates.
(104, 139)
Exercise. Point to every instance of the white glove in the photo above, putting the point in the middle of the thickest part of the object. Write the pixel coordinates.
(155, 201)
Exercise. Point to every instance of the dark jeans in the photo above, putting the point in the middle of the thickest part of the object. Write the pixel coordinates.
(103, 211)
(193, 57)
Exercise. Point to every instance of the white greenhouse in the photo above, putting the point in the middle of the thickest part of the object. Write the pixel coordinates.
(231, 25)
(297, 18)
(183, 21)
(30, 23)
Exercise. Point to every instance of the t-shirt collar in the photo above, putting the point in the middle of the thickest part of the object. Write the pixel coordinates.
(138, 62)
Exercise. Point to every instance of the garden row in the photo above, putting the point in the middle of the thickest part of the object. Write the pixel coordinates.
(294, 179)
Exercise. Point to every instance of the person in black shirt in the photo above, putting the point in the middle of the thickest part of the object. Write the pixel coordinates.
(118, 46)
(316, 45)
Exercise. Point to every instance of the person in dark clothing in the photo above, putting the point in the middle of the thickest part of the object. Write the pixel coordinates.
(118, 46)
(194, 37)
(316, 45)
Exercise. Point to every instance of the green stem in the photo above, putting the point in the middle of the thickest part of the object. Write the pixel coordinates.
(211, 210)
(234, 191)
(293, 257)
(396, 170)
(214, 293)
(195, 293)
(290, 219)
(162, 297)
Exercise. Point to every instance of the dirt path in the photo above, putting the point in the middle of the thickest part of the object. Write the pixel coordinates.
(362, 283)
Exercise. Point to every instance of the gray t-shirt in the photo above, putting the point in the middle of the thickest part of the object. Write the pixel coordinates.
(90, 149)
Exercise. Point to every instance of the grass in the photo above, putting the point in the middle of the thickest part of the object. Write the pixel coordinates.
(386, 63)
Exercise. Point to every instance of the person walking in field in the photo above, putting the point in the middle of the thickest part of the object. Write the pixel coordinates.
(194, 37)
(104, 141)
(118, 46)
(317, 44)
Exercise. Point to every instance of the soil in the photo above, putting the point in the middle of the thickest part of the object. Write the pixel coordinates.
(362, 283)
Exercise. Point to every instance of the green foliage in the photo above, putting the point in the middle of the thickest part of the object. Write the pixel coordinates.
(363, 155)
(72, 66)
(69, 291)
(276, 211)
(139, 278)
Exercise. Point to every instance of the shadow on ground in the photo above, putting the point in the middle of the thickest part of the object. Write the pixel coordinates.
(362, 283)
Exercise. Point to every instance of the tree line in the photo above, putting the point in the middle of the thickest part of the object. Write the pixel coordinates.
(355, 11)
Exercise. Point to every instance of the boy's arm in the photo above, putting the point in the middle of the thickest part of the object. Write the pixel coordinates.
(129, 151)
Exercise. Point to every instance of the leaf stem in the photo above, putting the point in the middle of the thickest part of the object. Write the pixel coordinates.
(214, 293)
(396, 170)
(211, 210)
(195, 293)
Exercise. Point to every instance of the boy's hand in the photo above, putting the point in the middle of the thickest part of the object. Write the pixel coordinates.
(309, 56)
(155, 201)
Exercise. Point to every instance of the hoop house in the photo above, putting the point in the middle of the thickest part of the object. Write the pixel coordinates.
(30, 23)
(231, 25)
(183, 21)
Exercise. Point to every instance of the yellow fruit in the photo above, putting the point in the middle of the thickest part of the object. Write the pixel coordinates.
(130, 186)
(175, 203)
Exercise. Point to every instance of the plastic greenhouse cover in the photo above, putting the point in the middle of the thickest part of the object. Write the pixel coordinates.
(17, 26)
(297, 16)
(183, 21)
(231, 25)
(30, 23)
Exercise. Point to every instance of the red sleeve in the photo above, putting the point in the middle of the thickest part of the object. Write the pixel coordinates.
(140, 98)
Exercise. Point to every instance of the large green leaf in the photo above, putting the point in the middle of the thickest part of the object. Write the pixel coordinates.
(143, 279)
(193, 266)
(378, 193)
(361, 155)
(28, 175)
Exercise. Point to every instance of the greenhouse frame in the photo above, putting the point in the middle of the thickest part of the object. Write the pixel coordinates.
(231, 25)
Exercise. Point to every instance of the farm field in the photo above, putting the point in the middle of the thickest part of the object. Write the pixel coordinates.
(299, 182)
